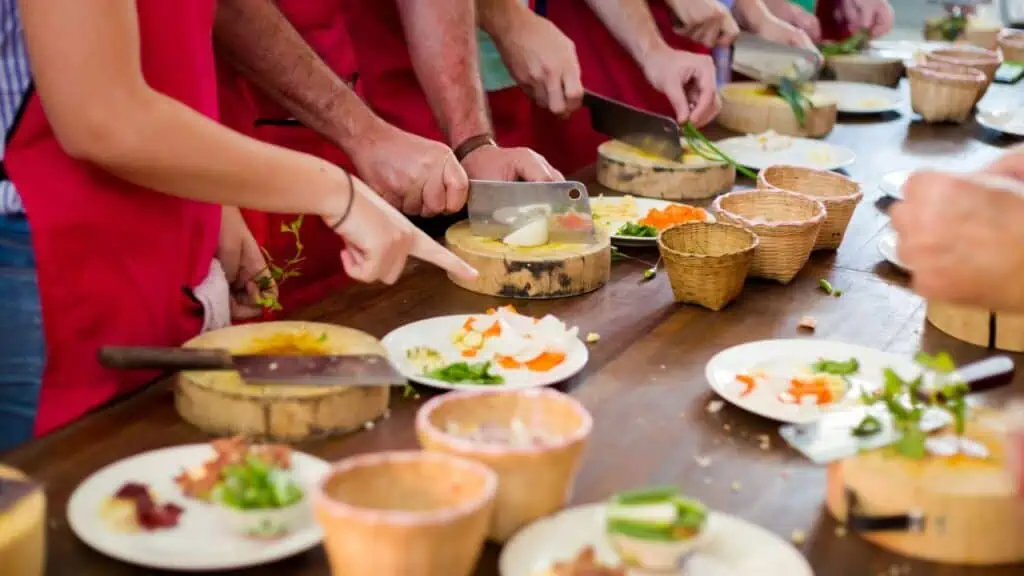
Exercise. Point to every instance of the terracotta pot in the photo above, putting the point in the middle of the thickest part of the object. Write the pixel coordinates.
(402, 513)
(534, 480)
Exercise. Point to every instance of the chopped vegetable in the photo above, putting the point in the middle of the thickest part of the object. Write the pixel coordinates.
(689, 519)
(795, 95)
(826, 286)
(425, 359)
(256, 485)
(869, 426)
(466, 373)
(852, 45)
(637, 230)
(748, 381)
(593, 337)
(808, 322)
(671, 215)
(837, 367)
(704, 148)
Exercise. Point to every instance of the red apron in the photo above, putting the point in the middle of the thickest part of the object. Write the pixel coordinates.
(321, 23)
(833, 26)
(113, 258)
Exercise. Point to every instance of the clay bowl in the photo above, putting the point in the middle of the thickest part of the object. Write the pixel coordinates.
(535, 479)
(401, 513)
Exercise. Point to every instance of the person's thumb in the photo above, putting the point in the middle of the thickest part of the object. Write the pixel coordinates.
(1010, 164)
(456, 184)
(426, 249)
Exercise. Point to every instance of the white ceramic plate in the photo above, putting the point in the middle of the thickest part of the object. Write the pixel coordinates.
(861, 98)
(892, 183)
(1005, 120)
(734, 547)
(201, 541)
(803, 152)
(905, 49)
(643, 205)
(783, 358)
(436, 333)
(887, 248)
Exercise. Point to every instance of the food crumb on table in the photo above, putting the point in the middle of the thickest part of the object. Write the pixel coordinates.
(841, 531)
(702, 461)
(369, 425)
(715, 406)
(726, 427)
(593, 337)
(798, 537)
(808, 323)
(736, 486)
(765, 441)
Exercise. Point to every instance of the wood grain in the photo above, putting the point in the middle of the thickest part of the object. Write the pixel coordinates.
(645, 381)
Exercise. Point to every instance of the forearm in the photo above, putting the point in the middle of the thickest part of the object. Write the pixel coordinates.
(255, 37)
(751, 14)
(632, 24)
(161, 144)
(441, 36)
(498, 17)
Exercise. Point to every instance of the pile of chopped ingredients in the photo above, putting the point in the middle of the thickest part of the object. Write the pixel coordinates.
(501, 339)
(199, 482)
(824, 382)
(256, 484)
(854, 44)
(659, 514)
(701, 146)
(146, 514)
(515, 434)
(585, 564)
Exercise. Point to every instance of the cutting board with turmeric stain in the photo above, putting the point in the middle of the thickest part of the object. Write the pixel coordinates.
(548, 271)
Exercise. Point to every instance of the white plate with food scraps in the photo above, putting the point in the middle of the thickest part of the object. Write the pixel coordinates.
(612, 213)
(524, 352)
(760, 151)
(892, 183)
(860, 97)
(201, 541)
(1005, 120)
(733, 547)
(887, 248)
(778, 379)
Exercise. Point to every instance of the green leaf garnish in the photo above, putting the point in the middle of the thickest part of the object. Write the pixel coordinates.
(704, 148)
(466, 373)
(836, 367)
(869, 426)
(637, 230)
(256, 485)
(852, 45)
(793, 93)
(642, 496)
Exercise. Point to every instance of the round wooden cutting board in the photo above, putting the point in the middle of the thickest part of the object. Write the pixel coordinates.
(750, 108)
(623, 168)
(222, 403)
(22, 525)
(549, 271)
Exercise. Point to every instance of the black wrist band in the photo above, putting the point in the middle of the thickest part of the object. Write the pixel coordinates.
(471, 144)
(348, 208)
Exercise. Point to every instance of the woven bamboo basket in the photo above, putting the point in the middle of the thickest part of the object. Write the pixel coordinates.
(1011, 43)
(944, 92)
(707, 262)
(786, 223)
(867, 68)
(839, 194)
(988, 61)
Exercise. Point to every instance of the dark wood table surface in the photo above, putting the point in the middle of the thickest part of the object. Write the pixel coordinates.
(644, 383)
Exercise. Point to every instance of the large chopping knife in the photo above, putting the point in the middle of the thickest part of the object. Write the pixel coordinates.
(653, 133)
(770, 63)
(341, 370)
(559, 210)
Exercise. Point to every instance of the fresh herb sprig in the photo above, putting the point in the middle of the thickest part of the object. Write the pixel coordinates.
(704, 148)
(649, 273)
(952, 26)
(793, 93)
(637, 230)
(852, 45)
(275, 273)
(466, 373)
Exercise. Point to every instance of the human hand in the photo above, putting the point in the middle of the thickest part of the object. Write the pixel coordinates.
(782, 32)
(796, 16)
(961, 238)
(706, 21)
(245, 267)
(418, 176)
(688, 81)
(509, 165)
(379, 240)
(542, 60)
(875, 16)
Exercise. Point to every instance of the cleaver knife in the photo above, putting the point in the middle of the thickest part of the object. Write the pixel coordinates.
(769, 62)
(497, 209)
(653, 133)
(266, 370)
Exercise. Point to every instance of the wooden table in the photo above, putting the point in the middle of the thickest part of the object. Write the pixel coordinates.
(644, 384)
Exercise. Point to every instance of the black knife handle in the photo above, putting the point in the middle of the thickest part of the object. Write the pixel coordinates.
(167, 359)
(885, 203)
(277, 122)
(987, 374)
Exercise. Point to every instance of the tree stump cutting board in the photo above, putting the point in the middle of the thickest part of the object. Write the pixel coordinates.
(221, 403)
(549, 271)
(625, 169)
(22, 525)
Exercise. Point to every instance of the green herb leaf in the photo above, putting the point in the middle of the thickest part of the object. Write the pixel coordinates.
(911, 443)
(837, 367)
(637, 230)
(793, 93)
(869, 426)
(642, 496)
(942, 362)
(704, 148)
(466, 373)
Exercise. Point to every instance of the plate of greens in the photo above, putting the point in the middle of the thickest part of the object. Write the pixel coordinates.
(497, 350)
(632, 221)
(798, 381)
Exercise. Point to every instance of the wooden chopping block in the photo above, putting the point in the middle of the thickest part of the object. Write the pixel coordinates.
(549, 271)
(22, 525)
(999, 330)
(222, 404)
(625, 169)
(966, 510)
(750, 108)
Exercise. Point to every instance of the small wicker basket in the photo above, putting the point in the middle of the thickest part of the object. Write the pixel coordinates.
(786, 223)
(1011, 43)
(839, 194)
(987, 61)
(707, 262)
(944, 92)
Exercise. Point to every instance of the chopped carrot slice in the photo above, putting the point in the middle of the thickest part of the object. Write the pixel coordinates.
(469, 352)
(494, 330)
(747, 381)
(507, 362)
(545, 362)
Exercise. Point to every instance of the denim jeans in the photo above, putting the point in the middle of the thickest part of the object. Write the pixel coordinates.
(21, 337)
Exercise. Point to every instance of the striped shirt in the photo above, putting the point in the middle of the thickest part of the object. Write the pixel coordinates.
(15, 81)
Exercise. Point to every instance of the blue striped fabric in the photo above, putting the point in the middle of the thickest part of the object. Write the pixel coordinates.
(15, 80)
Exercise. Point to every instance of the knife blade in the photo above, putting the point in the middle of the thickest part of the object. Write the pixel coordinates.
(831, 438)
(258, 369)
(769, 62)
(497, 209)
(653, 133)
